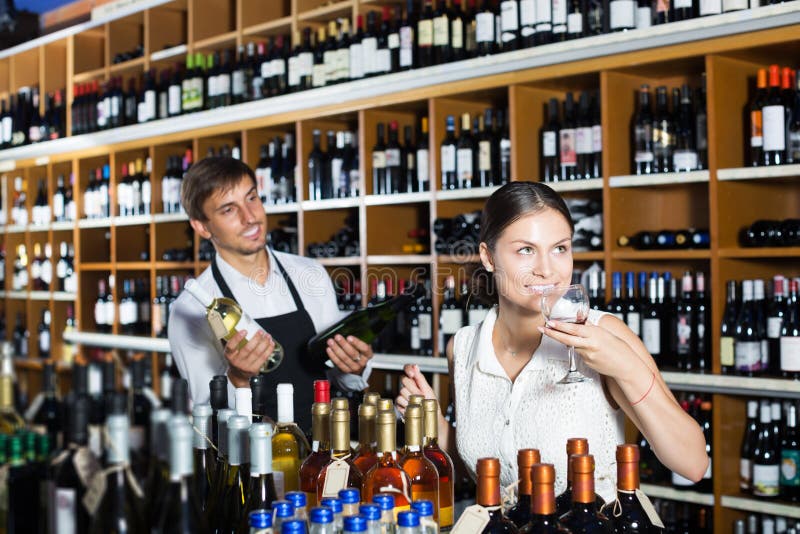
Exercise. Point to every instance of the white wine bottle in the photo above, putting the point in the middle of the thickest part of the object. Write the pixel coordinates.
(227, 318)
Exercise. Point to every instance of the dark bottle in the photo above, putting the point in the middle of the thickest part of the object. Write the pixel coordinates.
(425, 35)
(408, 54)
(576, 24)
(379, 162)
(644, 155)
(774, 121)
(575, 447)
(789, 344)
(509, 26)
(775, 315)
(543, 517)
(685, 324)
(638, 241)
(488, 496)
(549, 144)
(756, 119)
(584, 514)
(261, 486)
(70, 514)
(504, 135)
(394, 161)
(485, 28)
(442, 50)
(685, 156)
(653, 318)
(318, 179)
(204, 460)
(663, 133)
(790, 458)
(701, 125)
(568, 157)
(49, 416)
(747, 346)
(520, 513)
(488, 156)
(702, 326)
(449, 177)
(766, 457)
(728, 329)
(616, 306)
(626, 513)
(751, 429)
(584, 146)
(465, 155)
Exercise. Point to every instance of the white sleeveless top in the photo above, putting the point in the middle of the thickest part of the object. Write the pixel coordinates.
(496, 417)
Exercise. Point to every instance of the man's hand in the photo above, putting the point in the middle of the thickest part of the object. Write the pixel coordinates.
(247, 361)
(349, 355)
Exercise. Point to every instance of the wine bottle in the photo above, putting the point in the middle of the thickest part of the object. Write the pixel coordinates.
(231, 507)
(644, 156)
(465, 155)
(685, 325)
(774, 121)
(441, 460)
(520, 513)
(289, 445)
(448, 156)
(790, 458)
(421, 471)
(663, 133)
(766, 460)
(728, 329)
(386, 474)
(488, 496)
(568, 157)
(70, 515)
(341, 472)
(575, 446)
(627, 513)
(747, 347)
(320, 450)
(47, 417)
(204, 462)
(746, 449)
(543, 518)
(789, 343)
(219, 480)
(182, 509)
(549, 144)
(121, 504)
(584, 514)
(366, 456)
(261, 486)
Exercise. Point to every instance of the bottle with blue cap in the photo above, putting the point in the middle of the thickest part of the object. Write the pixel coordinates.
(372, 513)
(350, 498)
(386, 503)
(289, 445)
(260, 522)
(336, 507)
(408, 523)
(321, 519)
(261, 487)
(282, 511)
(218, 483)
(426, 522)
(294, 526)
(204, 461)
(354, 525)
(300, 503)
(236, 484)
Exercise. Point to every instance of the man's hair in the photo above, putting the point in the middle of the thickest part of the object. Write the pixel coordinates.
(208, 176)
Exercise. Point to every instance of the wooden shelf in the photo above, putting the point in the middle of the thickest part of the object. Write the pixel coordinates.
(646, 255)
(733, 385)
(759, 173)
(339, 262)
(95, 223)
(137, 63)
(132, 220)
(37, 364)
(168, 53)
(38, 227)
(761, 506)
(330, 204)
(39, 295)
(650, 180)
(760, 252)
(133, 265)
(20, 295)
(272, 27)
(63, 296)
(400, 259)
(458, 259)
(16, 229)
(62, 226)
(174, 265)
(589, 255)
(326, 13)
(462, 194)
(217, 41)
(672, 494)
(169, 217)
(96, 266)
(594, 184)
(277, 209)
(401, 198)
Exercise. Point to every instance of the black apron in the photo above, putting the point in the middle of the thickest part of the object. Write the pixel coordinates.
(292, 330)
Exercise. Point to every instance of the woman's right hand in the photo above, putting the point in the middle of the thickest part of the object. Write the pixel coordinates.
(414, 383)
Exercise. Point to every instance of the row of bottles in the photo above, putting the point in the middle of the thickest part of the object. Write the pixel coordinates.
(760, 330)
(135, 311)
(20, 335)
(684, 518)
(42, 212)
(771, 233)
(667, 239)
(343, 243)
(457, 235)
(774, 118)
(276, 171)
(571, 143)
(333, 172)
(674, 323)
(765, 524)
(670, 140)
(400, 168)
(480, 155)
(134, 190)
(41, 275)
(22, 122)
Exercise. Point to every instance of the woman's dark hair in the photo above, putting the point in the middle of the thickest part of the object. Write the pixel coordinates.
(208, 175)
(504, 207)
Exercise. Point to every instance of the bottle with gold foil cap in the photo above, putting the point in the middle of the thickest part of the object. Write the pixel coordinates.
(584, 515)
(488, 496)
(343, 472)
(520, 513)
(564, 500)
(386, 475)
(543, 502)
(627, 513)
(10, 420)
(320, 451)
(416, 399)
(423, 474)
(385, 405)
(371, 398)
(366, 456)
(441, 460)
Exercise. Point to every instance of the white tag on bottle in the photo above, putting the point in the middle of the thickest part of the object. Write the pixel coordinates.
(335, 478)
(94, 493)
(472, 521)
(217, 325)
(86, 465)
(648, 508)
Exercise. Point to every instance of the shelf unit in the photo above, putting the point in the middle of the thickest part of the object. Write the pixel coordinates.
(729, 48)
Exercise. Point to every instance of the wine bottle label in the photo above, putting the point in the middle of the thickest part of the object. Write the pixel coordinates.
(773, 118)
(651, 335)
(684, 160)
(425, 327)
(393, 158)
(305, 64)
(726, 357)
(137, 437)
(583, 140)
(100, 313)
(509, 16)
(279, 479)
(549, 145)
(633, 320)
(356, 61)
(747, 355)
(710, 7)
(559, 8)
(543, 15)
(484, 30)
(774, 325)
(369, 53)
(448, 158)
(415, 341)
(406, 46)
(766, 479)
(451, 321)
(574, 23)
(484, 156)
(294, 72)
(790, 354)
(66, 501)
(425, 31)
(684, 334)
(44, 342)
(379, 159)
(384, 60)
(441, 31)
(527, 13)
(790, 468)
(568, 156)
(623, 14)
(278, 67)
(457, 33)
(319, 75)
(733, 5)
(745, 473)
(464, 165)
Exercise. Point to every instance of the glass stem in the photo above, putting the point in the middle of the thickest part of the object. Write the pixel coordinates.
(572, 365)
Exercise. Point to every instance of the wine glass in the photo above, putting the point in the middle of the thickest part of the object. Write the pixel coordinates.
(567, 304)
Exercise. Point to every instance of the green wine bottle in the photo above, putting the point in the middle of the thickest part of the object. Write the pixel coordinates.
(214, 508)
(261, 491)
(204, 461)
(238, 467)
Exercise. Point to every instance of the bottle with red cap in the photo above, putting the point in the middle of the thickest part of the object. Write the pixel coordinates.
(773, 117)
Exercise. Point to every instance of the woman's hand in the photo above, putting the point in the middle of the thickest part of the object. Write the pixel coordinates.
(414, 383)
(247, 361)
(349, 355)
(599, 348)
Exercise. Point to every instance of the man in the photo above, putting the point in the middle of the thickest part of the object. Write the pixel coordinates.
(290, 297)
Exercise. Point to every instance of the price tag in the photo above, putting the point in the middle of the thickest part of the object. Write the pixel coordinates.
(278, 479)
(335, 478)
(648, 508)
(86, 465)
(217, 325)
(472, 521)
(94, 493)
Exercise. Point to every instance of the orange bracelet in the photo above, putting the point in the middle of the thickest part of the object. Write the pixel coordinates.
(646, 392)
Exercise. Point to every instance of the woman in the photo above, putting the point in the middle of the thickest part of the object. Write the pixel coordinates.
(504, 370)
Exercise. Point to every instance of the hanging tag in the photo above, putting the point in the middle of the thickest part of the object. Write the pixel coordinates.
(278, 478)
(94, 493)
(472, 521)
(648, 508)
(336, 478)
(217, 324)
(86, 465)
(134, 484)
